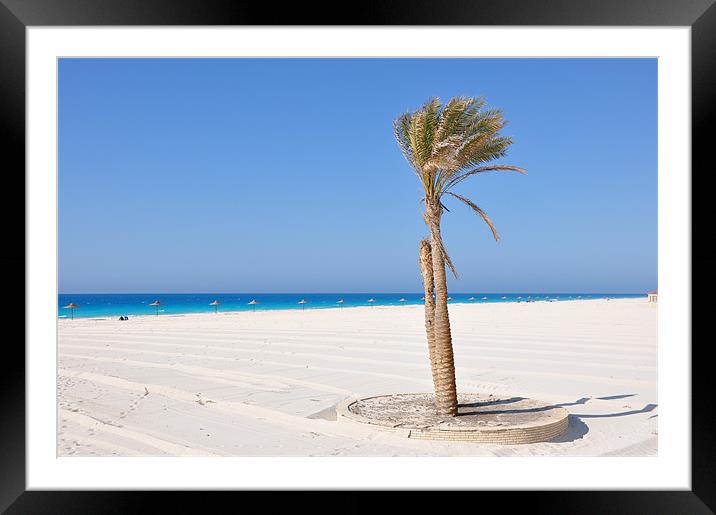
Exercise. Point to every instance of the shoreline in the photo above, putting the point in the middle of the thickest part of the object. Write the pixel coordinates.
(339, 309)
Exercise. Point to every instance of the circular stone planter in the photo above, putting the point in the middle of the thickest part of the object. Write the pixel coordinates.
(480, 418)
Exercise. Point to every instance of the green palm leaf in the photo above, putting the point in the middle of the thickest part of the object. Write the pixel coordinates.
(446, 144)
(479, 211)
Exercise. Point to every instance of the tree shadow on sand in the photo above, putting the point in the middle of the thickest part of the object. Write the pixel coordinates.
(646, 409)
(473, 408)
(483, 404)
(614, 397)
(576, 429)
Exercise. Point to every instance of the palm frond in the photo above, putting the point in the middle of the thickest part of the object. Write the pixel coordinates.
(456, 116)
(482, 148)
(445, 153)
(423, 128)
(402, 132)
(448, 143)
(482, 169)
(479, 211)
(441, 246)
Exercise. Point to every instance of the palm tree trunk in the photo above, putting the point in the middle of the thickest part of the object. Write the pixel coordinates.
(445, 387)
(426, 269)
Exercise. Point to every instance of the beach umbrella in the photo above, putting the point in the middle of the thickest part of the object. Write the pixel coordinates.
(471, 298)
(371, 301)
(449, 298)
(253, 303)
(302, 302)
(341, 302)
(216, 306)
(401, 299)
(156, 304)
(422, 298)
(71, 306)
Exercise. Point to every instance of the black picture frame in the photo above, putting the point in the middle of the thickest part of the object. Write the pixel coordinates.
(700, 15)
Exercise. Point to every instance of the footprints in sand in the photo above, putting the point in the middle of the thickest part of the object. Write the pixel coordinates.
(135, 403)
(70, 447)
(203, 401)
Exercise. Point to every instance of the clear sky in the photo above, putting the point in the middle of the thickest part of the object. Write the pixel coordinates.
(282, 175)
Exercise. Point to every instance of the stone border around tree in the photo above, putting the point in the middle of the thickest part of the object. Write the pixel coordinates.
(553, 421)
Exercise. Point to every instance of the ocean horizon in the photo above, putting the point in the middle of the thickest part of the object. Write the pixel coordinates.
(99, 305)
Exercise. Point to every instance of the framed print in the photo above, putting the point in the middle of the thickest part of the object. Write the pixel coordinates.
(427, 248)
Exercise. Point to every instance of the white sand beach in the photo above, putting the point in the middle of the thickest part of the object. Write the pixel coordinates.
(265, 383)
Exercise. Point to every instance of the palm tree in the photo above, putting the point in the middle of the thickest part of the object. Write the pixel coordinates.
(446, 144)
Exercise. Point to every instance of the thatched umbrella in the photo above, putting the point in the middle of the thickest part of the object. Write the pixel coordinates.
(156, 304)
(302, 302)
(253, 303)
(71, 306)
(341, 302)
(216, 304)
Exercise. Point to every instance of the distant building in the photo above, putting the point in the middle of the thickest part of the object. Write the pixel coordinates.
(653, 296)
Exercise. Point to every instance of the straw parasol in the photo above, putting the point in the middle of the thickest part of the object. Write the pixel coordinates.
(156, 304)
(216, 304)
(253, 303)
(302, 302)
(72, 306)
(341, 302)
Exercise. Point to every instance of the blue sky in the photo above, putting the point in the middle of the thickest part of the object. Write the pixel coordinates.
(282, 175)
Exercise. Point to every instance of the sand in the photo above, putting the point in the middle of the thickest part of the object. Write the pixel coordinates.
(265, 383)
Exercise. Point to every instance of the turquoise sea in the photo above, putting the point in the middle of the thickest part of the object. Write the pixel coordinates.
(105, 305)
